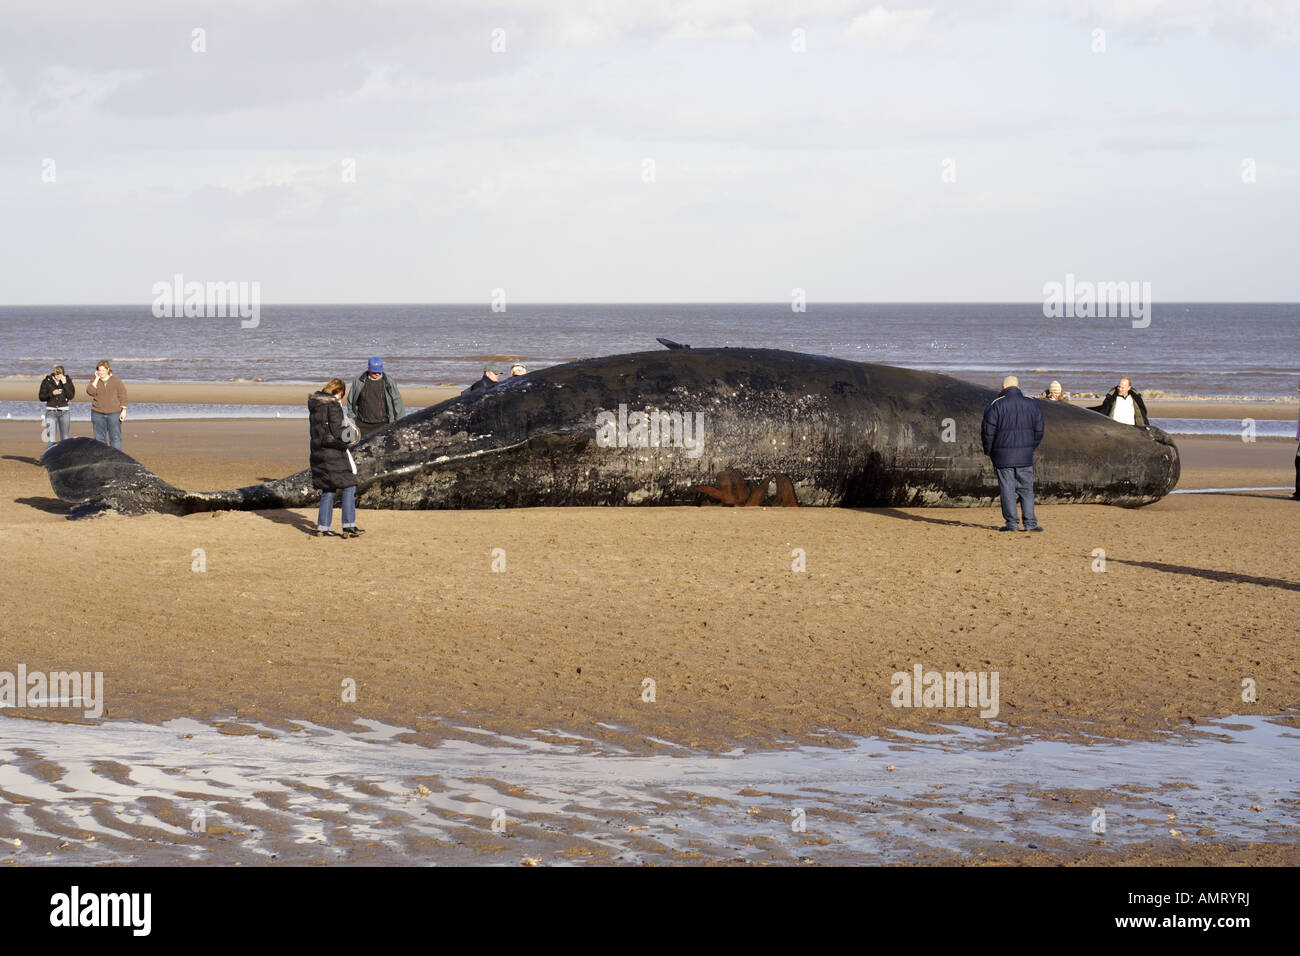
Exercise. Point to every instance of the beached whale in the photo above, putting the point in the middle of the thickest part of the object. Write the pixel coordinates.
(683, 427)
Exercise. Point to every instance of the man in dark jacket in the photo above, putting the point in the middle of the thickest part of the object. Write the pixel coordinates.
(1123, 404)
(1296, 496)
(374, 400)
(490, 377)
(1012, 429)
(56, 391)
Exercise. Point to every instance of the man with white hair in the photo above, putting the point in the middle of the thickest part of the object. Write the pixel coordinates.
(1012, 429)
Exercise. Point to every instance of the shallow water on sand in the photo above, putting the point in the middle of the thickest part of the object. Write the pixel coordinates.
(126, 792)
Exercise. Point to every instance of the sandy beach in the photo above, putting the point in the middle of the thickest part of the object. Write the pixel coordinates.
(1199, 592)
(706, 603)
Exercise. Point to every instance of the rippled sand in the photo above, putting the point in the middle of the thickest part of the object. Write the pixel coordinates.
(124, 792)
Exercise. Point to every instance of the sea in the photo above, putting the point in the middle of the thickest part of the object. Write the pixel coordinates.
(1242, 351)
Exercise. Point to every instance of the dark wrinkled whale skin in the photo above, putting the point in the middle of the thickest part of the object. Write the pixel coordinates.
(842, 433)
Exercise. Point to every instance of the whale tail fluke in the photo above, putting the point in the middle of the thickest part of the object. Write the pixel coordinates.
(92, 477)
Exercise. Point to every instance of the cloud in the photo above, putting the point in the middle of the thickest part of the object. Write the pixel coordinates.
(521, 165)
(267, 202)
(1248, 23)
(893, 30)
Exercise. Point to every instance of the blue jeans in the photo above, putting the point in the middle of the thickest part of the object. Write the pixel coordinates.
(58, 421)
(1013, 482)
(107, 428)
(326, 515)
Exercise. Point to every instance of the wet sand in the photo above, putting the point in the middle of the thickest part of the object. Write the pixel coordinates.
(1261, 411)
(1199, 593)
(184, 792)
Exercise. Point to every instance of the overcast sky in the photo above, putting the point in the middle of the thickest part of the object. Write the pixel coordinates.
(526, 169)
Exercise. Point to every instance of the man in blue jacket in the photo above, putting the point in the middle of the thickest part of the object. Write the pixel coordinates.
(1013, 427)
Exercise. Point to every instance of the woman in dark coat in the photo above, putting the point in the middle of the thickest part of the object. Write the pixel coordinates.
(332, 468)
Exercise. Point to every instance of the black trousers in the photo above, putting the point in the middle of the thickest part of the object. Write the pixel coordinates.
(1297, 472)
(368, 429)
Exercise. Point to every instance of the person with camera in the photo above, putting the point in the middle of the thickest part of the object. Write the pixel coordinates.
(56, 391)
(107, 405)
(333, 469)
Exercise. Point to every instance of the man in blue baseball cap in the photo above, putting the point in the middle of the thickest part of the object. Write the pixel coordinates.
(374, 400)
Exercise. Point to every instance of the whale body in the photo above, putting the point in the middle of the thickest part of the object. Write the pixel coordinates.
(683, 427)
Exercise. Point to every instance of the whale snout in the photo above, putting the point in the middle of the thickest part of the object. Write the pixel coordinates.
(1164, 465)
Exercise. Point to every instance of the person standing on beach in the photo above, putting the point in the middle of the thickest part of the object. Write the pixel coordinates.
(333, 470)
(56, 391)
(1054, 394)
(517, 370)
(374, 400)
(1012, 429)
(1296, 496)
(490, 376)
(108, 405)
(1123, 404)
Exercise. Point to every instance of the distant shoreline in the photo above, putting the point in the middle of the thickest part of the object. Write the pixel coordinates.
(223, 393)
(14, 389)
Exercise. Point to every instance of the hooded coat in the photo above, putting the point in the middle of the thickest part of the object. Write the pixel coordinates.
(331, 468)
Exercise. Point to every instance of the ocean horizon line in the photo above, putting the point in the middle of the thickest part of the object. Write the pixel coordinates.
(783, 303)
